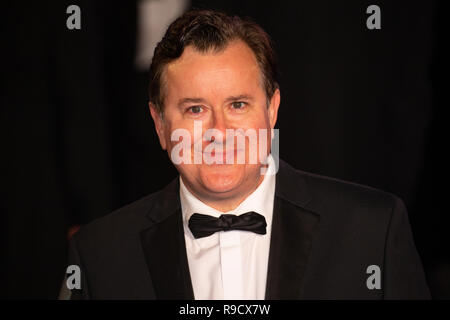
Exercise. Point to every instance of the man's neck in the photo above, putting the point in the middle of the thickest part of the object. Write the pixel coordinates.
(225, 204)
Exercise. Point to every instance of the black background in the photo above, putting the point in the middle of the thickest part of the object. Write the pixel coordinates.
(77, 140)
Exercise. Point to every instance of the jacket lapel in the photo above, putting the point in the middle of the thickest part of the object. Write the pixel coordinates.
(293, 231)
(164, 247)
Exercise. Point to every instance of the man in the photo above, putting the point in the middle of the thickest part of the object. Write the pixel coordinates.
(229, 227)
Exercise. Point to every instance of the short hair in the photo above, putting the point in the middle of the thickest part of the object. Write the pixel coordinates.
(211, 30)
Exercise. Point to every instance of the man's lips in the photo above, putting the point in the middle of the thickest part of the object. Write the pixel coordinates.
(224, 155)
(215, 152)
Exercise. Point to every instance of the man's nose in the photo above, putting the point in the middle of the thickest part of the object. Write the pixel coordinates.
(219, 121)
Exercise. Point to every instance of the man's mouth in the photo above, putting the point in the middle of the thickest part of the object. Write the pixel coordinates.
(223, 156)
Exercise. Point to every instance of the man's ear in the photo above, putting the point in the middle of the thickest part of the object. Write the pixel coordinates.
(273, 107)
(159, 124)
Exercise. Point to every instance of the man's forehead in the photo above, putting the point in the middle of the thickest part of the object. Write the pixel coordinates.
(236, 55)
(233, 67)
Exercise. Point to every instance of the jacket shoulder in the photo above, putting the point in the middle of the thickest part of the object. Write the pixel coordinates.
(332, 196)
(120, 222)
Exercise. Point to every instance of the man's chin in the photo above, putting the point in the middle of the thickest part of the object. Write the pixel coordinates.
(222, 179)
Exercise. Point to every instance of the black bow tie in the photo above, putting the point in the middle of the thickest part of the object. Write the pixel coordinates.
(202, 225)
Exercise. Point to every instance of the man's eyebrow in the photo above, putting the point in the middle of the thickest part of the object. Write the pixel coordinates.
(190, 100)
(239, 97)
(201, 100)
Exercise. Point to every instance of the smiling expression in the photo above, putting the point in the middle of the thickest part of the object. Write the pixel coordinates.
(222, 90)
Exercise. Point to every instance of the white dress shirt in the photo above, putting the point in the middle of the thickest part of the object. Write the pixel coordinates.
(230, 264)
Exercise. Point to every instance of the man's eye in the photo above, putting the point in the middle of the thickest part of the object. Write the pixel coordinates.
(238, 105)
(195, 109)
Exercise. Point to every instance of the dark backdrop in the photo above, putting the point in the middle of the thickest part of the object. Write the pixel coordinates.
(77, 140)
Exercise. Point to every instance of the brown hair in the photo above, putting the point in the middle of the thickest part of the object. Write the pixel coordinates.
(206, 30)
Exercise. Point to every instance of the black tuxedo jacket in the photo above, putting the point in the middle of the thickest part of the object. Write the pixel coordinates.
(325, 234)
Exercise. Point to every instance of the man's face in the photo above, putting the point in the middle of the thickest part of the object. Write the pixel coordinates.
(221, 91)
